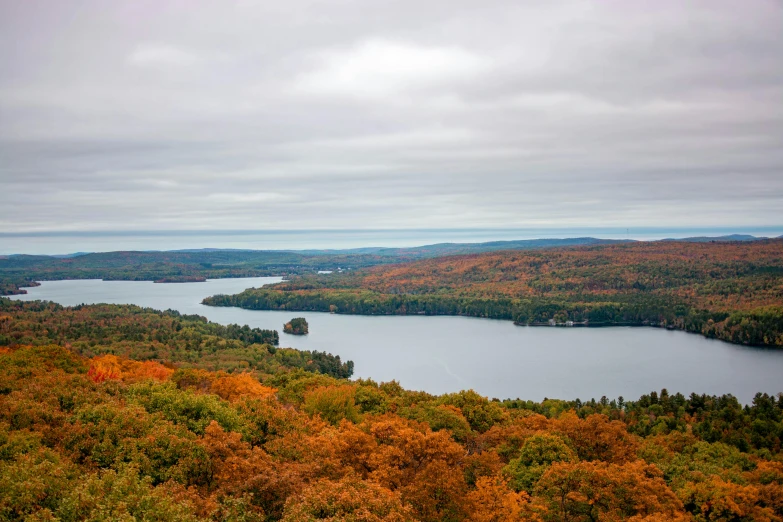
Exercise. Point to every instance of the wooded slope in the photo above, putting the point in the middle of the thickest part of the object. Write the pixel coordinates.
(109, 438)
(729, 290)
(189, 265)
(135, 427)
(147, 334)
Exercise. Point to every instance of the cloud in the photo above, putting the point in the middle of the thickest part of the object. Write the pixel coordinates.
(161, 55)
(390, 114)
(255, 197)
(376, 68)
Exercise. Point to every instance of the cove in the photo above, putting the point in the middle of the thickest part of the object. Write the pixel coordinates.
(441, 354)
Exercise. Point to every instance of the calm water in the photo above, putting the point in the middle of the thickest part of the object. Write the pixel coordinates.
(496, 358)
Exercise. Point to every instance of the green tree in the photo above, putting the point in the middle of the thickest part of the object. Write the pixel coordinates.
(296, 326)
(536, 455)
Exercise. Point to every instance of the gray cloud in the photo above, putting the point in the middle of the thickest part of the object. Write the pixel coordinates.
(348, 114)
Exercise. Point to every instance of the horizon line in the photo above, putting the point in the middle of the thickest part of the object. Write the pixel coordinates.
(250, 232)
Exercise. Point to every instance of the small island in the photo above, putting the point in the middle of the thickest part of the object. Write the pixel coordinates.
(296, 326)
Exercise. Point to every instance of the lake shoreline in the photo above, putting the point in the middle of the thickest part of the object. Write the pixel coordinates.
(447, 353)
(573, 324)
(567, 324)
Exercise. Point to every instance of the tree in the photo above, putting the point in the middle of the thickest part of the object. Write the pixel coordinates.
(296, 326)
(480, 413)
(587, 491)
(715, 499)
(493, 501)
(332, 403)
(598, 438)
(348, 499)
(536, 455)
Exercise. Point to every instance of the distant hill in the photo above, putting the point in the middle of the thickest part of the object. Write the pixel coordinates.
(707, 239)
(194, 264)
(416, 252)
(443, 249)
(75, 254)
(200, 250)
(20, 270)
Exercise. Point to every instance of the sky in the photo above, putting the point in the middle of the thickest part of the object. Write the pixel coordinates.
(428, 114)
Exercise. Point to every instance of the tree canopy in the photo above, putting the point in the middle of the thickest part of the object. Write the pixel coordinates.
(726, 290)
(296, 326)
(104, 432)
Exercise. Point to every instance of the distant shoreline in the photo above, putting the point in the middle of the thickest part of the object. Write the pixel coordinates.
(183, 279)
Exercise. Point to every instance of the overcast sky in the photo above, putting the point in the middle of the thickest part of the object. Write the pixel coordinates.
(141, 115)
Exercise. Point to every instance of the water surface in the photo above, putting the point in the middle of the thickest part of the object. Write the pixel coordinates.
(445, 354)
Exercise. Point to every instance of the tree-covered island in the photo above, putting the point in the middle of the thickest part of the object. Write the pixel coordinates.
(296, 326)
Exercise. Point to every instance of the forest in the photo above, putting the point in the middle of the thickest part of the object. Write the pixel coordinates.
(18, 271)
(188, 341)
(88, 433)
(726, 290)
(117, 412)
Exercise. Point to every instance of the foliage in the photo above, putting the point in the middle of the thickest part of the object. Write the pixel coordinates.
(492, 501)
(480, 413)
(598, 490)
(439, 417)
(18, 271)
(332, 403)
(146, 334)
(107, 437)
(296, 326)
(349, 500)
(196, 265)
(535, 456)
(758, 426)
(726, 290)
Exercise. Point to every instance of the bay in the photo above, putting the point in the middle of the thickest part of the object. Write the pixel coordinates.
(442, 354)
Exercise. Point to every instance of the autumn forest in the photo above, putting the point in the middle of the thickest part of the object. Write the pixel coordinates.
(732, 291)
(117, 412)
(391, 261)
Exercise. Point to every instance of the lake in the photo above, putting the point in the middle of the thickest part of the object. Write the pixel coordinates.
(442, 354)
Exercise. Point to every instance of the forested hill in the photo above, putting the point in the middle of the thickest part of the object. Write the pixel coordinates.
(728, 290)
(448, 249)
(112, 412)
(108, 438)
(188, 341)
(21, 270)
(17, 271)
